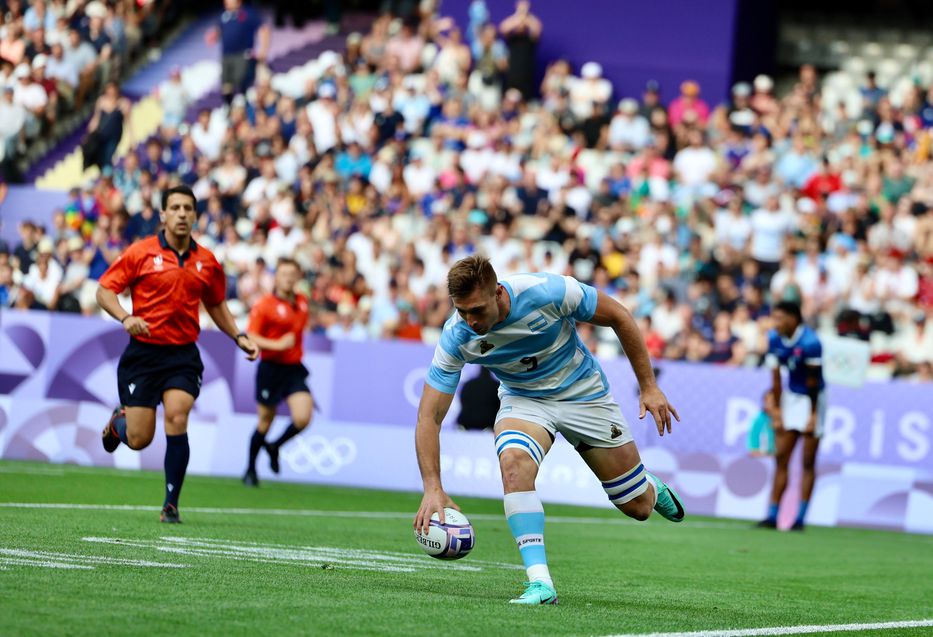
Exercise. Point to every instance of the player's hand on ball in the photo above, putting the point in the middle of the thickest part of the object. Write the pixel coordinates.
(432, 502)
(136, 326)
(653, 400)
(246, 344)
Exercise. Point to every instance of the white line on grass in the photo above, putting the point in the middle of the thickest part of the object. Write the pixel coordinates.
(53, 559)
(32, 471)
(791, 630)
(384, 515)
(270, 553)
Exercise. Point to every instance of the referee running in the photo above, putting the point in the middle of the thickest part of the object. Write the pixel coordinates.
(276, 324)
(168, 275)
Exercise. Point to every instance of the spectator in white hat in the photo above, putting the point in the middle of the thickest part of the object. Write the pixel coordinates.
(322, 114)
(591, 87)
(44, 276)
(32, 97)
(628, 131)
(762, 100)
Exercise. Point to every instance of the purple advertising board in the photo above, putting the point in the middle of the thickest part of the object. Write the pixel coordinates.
(57, 387)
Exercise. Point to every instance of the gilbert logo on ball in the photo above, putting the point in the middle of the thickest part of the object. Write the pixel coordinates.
(449, 541)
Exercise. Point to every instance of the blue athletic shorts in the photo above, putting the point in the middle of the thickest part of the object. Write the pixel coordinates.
(146, 371)
(275, 382)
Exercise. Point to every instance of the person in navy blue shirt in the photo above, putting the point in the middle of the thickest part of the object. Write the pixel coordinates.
(802, 407)
(239, 25)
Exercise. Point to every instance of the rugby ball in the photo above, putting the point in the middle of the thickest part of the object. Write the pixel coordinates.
(449, 541)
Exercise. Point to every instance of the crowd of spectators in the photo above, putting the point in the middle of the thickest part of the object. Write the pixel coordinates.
(420, 144)
(56, 55)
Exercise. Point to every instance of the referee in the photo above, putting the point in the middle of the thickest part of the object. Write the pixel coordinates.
(276, 324)
(169, 275)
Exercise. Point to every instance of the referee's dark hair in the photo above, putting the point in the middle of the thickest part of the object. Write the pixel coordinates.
(178, 190)
(791, 308)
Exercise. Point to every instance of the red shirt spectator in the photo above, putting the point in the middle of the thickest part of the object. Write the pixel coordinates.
(823, 183)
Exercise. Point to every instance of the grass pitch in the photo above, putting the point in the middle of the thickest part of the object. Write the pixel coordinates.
(288, 559)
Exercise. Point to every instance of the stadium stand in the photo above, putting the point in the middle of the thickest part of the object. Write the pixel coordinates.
(379, 158)
(56, 57)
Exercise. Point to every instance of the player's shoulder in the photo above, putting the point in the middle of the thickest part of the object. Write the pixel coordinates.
(536, 287)
(774, 339)
(455, 332)
(809, 338)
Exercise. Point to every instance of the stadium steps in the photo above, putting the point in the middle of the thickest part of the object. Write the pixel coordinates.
(74, 126)
(281, 64)
(64, 168)
(291, 59)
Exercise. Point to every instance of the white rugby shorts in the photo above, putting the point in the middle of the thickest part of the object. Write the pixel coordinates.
(597, 423)
(796, 409)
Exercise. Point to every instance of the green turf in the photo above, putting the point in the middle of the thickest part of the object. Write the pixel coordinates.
(615, 576)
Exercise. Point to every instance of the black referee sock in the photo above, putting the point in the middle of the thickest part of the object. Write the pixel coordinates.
(287, 435)
(255, 444)
(119, 425)
(177, 453)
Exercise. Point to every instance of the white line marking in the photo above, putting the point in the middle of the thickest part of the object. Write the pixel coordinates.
(44, 564)
(32, 471)
(61, 471)
(380, 515)
(791, 630)
(72, 560)
(320, 556)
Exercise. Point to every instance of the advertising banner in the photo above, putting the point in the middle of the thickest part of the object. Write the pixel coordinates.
(58, 386)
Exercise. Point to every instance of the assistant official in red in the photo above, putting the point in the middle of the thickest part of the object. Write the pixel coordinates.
(168, 276)
(276, 324)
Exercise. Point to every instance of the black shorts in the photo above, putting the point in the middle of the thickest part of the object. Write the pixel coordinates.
(275, 382)
(147, 370)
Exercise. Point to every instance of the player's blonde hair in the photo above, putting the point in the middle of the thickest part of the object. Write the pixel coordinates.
(470, 273)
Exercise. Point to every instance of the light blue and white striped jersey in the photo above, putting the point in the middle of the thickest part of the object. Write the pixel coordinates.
(535, 351)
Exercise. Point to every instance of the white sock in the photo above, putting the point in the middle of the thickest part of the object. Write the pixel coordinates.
(654, 486)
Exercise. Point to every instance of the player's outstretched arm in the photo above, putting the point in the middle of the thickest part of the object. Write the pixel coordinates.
(222, 317)
(611, 313)
(431, 412)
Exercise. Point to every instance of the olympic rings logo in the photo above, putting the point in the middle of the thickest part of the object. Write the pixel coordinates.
(317, 453)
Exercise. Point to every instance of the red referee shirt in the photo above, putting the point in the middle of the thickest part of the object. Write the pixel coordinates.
(167, 287)
(272, 317)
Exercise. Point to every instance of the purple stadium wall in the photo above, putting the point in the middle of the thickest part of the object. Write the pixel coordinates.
(669, 41)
